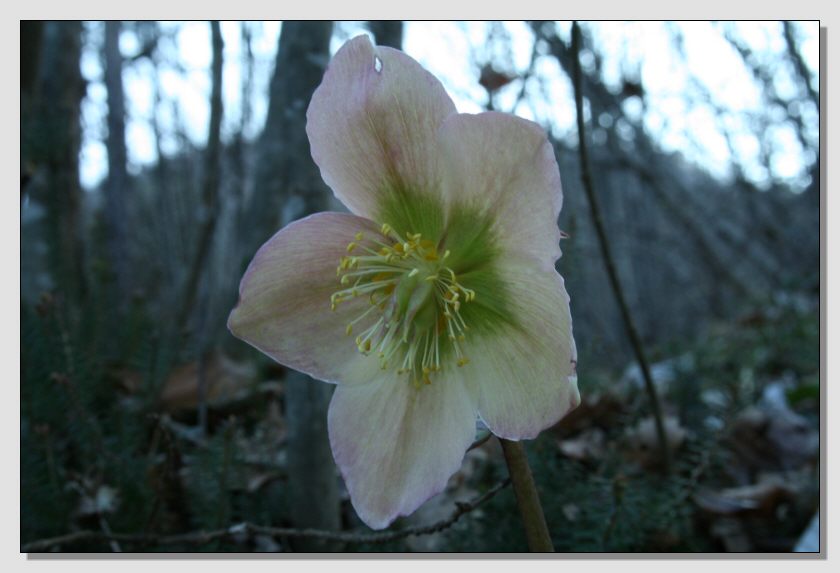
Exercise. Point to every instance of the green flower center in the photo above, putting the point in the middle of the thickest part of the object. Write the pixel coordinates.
(415, 300)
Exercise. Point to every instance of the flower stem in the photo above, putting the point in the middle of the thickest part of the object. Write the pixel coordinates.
(527, 498)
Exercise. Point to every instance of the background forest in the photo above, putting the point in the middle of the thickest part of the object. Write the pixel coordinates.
(156, 157)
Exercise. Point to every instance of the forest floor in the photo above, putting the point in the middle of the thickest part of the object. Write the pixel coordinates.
(741, 417)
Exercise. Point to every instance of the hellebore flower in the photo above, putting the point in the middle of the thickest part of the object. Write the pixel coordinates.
(436, 300)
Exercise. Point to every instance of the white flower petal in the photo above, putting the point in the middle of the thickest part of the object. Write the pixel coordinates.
(396, 444)
(284, 299)
(525, 374)
(505, 165)
(372, 125)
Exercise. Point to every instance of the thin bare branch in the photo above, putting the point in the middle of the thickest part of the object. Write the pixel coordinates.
(532, 64)
(250, 529)
(606, 253)
(799, 63)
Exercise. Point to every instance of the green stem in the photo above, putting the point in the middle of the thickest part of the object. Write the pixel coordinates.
(527, 498)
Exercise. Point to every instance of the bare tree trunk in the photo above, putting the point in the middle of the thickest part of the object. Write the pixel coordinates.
(288, 184)
(288, 187)
(31, 33)
(210, 183)
(238, 146)
(387, 32)
(211, 205)
(31, 39)
(51, 145)
(116, 186)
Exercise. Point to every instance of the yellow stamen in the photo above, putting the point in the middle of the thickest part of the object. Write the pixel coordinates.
(417, 322)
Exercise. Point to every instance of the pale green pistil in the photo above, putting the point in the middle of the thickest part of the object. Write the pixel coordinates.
(415, 302)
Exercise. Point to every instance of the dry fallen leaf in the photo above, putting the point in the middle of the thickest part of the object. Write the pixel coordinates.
(225, 381)
(758, 498)
(588, 445)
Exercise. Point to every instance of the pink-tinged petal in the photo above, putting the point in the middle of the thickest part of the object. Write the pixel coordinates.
(284, 299)
(372, 124)
(396, 444)
(505, 165)
(525, 374)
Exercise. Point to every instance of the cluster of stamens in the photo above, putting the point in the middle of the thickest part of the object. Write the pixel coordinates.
(415, 302)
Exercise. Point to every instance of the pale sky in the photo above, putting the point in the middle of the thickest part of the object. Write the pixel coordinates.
(676, 113)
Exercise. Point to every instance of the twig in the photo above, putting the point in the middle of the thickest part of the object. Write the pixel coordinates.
(606, 253)
(527, 498)
(799, 63)
(766, 75)
(204, 537)
(618, 498)
(106, 529)
(528, 73)
(699, 234)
